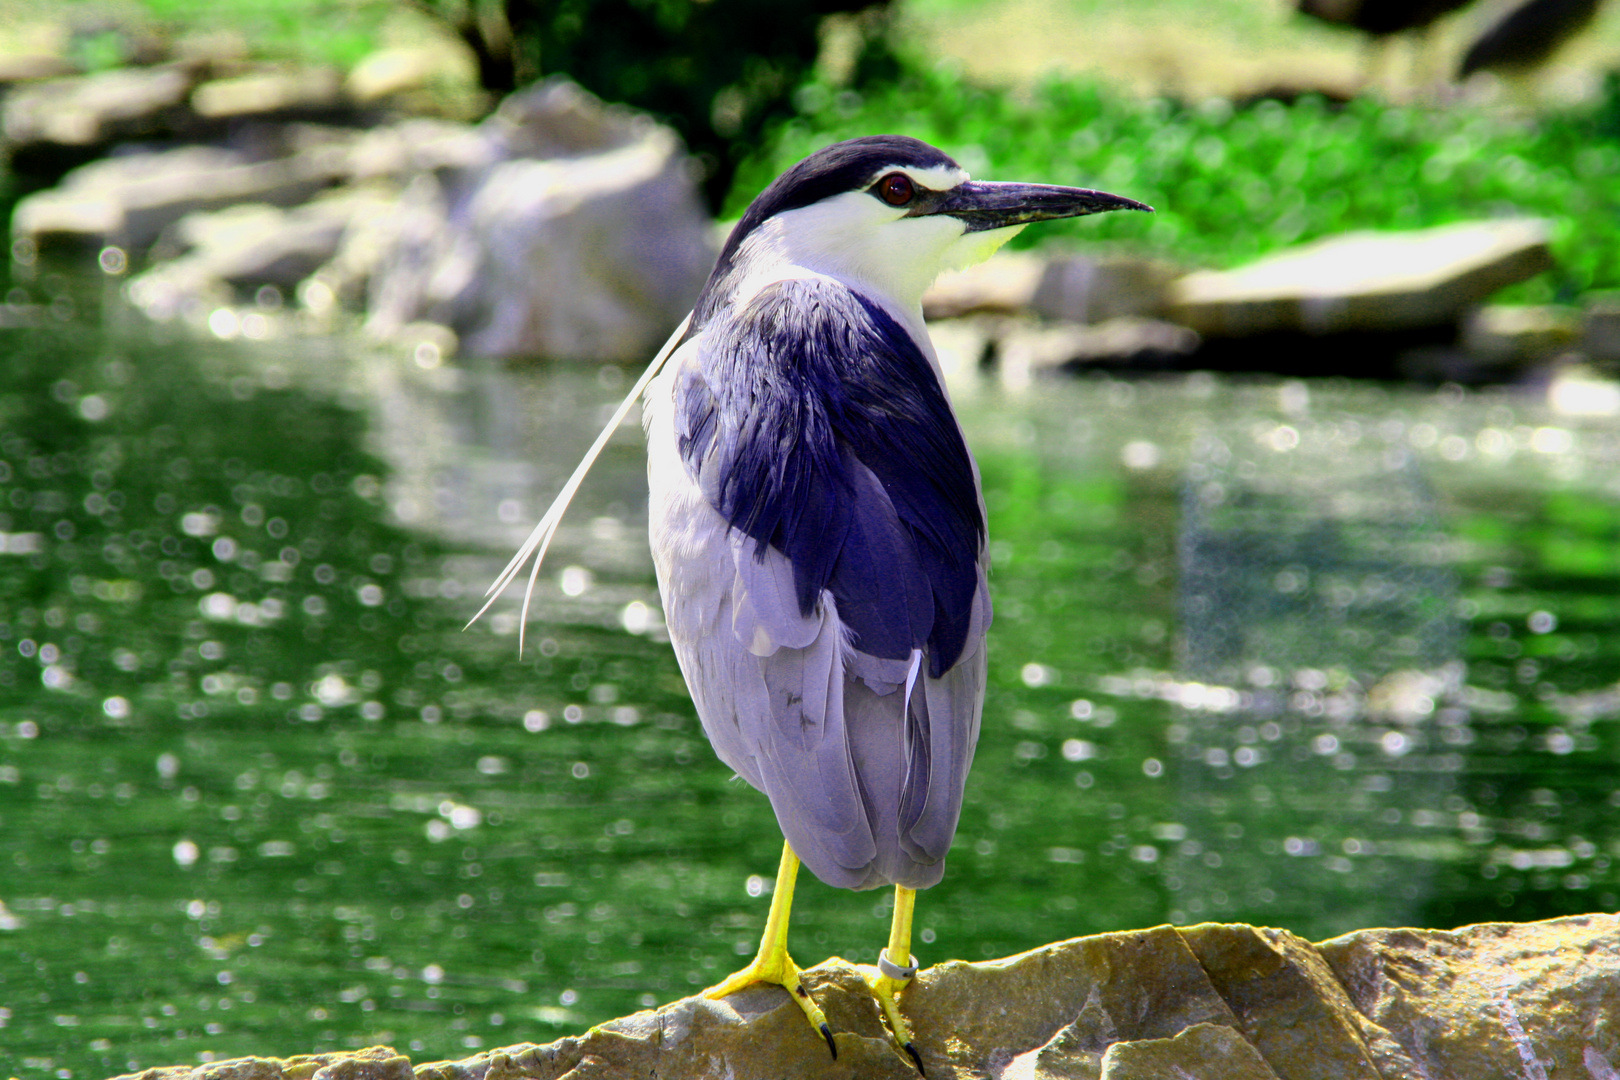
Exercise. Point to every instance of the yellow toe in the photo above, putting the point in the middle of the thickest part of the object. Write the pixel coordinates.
(773, 964)
(886, 990)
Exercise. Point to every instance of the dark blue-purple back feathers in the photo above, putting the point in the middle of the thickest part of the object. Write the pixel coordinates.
(817, 427)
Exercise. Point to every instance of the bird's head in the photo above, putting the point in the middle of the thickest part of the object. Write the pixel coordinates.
(890, 213)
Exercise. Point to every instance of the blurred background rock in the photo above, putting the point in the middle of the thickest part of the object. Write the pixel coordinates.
(1253, 125)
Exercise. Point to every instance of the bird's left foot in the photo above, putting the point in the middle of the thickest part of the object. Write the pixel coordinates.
(886, 981)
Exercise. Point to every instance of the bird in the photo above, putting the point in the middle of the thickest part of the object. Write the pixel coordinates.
(1526, 37)
(817, 527)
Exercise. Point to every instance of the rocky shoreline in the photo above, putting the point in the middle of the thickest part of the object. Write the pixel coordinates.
(1239, 1002)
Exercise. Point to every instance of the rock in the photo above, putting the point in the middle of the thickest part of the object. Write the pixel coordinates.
(373, 1063)
(1229, 1001)
(1081, 289)
(414, 74)
(270, 93)
(419, 145)
(63, 117)
(1600, 331)
(558, 118)
(217, 50)
(1202, 1046)
(1288, 1005)
(252, 244)
(1499, 999)
(1504, 333)
(33, 67)
(1027, 351)
(1092, 290)
(1365, 280)
(130, 200)
(584, 239)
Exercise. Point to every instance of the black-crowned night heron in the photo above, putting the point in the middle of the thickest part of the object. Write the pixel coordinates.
(817, 527)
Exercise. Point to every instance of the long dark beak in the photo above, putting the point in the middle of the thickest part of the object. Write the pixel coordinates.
(988, 204)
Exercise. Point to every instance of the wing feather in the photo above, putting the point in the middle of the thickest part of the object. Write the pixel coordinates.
(765, 612)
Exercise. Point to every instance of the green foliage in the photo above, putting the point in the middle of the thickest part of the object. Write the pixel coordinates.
(1231, 182)
(99, 52)
(335, 32)
(719, 71)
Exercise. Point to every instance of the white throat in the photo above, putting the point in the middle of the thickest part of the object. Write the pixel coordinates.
(869, 246)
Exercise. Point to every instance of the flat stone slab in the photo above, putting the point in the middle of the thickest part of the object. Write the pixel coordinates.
(269, 93)
(92, 109)
(1526, 333)
(1535, 1000)
(131, 199)
(1366, 281)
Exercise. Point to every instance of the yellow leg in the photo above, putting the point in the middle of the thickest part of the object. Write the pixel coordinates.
(888, 979)
(772, 964)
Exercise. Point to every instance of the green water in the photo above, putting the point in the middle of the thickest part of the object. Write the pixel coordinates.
(1318, 656)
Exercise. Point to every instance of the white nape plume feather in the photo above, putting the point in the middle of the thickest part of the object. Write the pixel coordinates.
(540, 539)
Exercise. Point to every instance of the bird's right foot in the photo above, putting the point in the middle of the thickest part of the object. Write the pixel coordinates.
(774, 965)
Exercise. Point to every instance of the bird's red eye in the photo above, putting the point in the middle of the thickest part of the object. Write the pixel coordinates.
(896, 189)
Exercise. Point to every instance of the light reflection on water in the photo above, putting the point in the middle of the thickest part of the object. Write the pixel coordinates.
(1318, 657)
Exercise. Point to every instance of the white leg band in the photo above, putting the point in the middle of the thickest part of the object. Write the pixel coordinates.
(895, 971)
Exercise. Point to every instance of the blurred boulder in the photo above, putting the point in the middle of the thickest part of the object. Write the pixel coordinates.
(584, 238)
(419, 145)
(129, 200)
(1520, 333)
(68, 119)
(1074, 288)
(1024, 352)
(1600, 331)
(1083, 289)
(438, 79)
(251, 245)
(1365, 281)
(31, 67)
(267, 94)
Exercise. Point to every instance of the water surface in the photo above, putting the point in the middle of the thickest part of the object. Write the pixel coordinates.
(1318, 656)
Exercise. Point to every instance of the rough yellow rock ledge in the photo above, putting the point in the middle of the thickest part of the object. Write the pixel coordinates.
(1217, 1001)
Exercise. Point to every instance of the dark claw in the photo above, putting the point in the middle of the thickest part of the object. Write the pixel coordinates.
(826, 1033)
(916, 1059)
